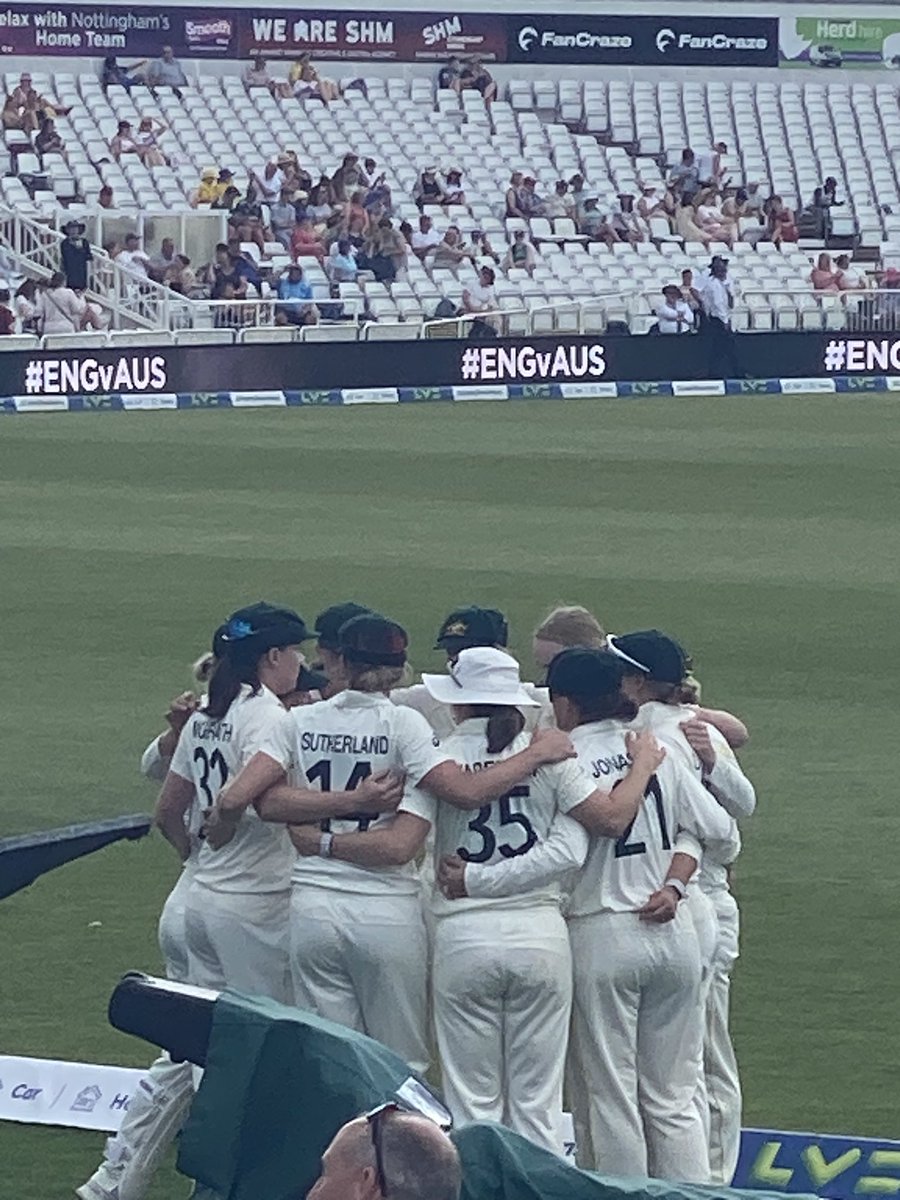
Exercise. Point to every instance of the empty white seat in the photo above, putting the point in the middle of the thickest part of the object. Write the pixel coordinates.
(204, 337)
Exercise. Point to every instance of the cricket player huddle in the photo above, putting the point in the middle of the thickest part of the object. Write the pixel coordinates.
(531, 880)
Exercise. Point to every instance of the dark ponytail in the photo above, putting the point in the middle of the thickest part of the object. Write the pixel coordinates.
(505, 723)
(231, 672)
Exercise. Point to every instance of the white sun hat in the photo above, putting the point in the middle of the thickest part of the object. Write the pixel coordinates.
(481, 675)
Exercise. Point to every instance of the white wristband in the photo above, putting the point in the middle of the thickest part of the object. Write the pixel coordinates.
(325, 843)
(677, 886)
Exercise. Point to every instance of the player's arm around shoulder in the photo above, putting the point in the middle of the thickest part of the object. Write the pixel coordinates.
(700, 815)
(608, 814)
(721, 770)
(392, 845)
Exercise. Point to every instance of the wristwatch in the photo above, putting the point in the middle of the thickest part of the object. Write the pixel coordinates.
(677, 886)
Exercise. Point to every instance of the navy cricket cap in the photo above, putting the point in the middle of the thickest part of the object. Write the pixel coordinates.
(473, 626)
(329, 622)
(655, 654)
(310, 681)
(259, 627)
(374, 641)
(582, 673)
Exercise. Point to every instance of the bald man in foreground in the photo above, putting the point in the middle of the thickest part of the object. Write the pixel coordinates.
(389, 1154)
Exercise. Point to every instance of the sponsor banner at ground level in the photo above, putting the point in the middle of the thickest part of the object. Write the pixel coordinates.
(315, 373)
(837, 39)
(43, 1091)
(670, 40)
(836, 1166)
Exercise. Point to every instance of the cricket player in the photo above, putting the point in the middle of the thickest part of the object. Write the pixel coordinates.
(358, 943)
(659, 688)
(328, 647)
(637, 1022)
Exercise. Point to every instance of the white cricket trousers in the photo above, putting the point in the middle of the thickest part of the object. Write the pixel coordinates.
(633, 1064)
(238, 940)
(723, 1083)
(502, 1003)
(706, 926)
(362, 961)
(159, 1107)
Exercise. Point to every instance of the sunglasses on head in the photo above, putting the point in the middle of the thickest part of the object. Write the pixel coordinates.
(376, 1119)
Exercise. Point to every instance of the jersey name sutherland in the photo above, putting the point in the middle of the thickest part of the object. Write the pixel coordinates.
(621, 874)
(337, 744)
(211, 751)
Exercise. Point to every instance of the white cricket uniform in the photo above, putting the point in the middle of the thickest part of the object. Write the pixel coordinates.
(637, 1023)
(236, 911)
(735, 793)
(358, 946)
(502, 963)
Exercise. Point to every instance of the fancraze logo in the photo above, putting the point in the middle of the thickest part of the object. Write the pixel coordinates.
(584, 39)
(707, 41)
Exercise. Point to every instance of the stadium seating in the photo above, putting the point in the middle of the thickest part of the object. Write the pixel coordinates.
(789, 136)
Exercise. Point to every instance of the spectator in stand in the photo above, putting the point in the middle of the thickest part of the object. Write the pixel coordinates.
(283, 217)
(122, 141)
(246, 221)
(846, 278)
(75, 253)
(753, 205)
(650, 204)
(48, 140)
(25, 306)
(684, 181)
(479, 296)
(577, 195)
(163, 260)
(530, 203)
(355, 215)
(689, 293)
(20, 111)
(244, 264)
(735, 210)
(624, 220)
(147, 140)
(305, 242)
(208, 190)
(453, 186)
(711, 218)
(780, 225)
(475, 75)
(674, 314)
(296, 295)
(226, 269)
(687, 223)
(304, 80)
(482, 247)
(116, 74)
(829, 193)
(450, 251)
(560, 204)
(166, 71)
(340, 266)
(377, 190)
(228, 200)
(594, 224)
(319, 207)
(267, 182)
(520, 254)
(429, 190)
(179, 277)
(425, 238)
(711, 169)
(449, 74)
(513, 207)
(59, 309)
(390, 246)
(7, 316)
(256, 75)
(132, 257)
(347, 179)
(717, 301)
(823, 277)
(105, 197)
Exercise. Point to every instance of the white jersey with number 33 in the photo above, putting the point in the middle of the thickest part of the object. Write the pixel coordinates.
(211, 751)
(621, 874)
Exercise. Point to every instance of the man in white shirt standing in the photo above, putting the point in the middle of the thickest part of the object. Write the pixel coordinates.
(674, 314)
(717, 301)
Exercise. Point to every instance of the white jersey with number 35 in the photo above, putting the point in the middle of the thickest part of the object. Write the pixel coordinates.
(338, 743)
(211, 751)
(621, 874)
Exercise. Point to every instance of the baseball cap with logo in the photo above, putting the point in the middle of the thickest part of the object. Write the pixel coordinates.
(655, 654)
(481, 675)
(582, 673)
(329, 622)
(260, 626)
(472, 626)
(373, 641)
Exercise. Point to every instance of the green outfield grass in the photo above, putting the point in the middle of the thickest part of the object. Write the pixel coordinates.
(761, 530)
